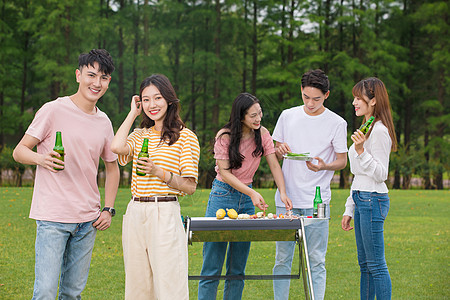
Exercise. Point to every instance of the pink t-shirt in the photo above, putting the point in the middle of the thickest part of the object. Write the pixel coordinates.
(71, 195)
(250, 163)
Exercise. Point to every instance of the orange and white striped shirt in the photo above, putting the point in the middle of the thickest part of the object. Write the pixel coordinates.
(181, 158)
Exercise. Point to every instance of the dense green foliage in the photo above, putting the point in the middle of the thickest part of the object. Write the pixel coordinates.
(212, 50)
(416, 242)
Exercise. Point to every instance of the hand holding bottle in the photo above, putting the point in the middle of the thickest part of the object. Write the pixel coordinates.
(50, 161)
(140, 161)
(358, 139)
(358, 136)
(58, 152)
(145, 165)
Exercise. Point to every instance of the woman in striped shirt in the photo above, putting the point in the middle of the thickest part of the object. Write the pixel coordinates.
(153, 237)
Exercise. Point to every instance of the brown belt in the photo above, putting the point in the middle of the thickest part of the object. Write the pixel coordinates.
(156, 199)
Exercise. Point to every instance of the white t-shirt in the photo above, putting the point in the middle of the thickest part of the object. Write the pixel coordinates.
(323, 136)
(70, 195)
(371, 168)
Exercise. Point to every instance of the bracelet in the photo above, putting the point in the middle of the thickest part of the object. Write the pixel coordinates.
(170, 180)
(164, 174)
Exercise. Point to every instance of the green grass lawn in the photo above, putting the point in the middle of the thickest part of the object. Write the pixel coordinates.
(416, 238)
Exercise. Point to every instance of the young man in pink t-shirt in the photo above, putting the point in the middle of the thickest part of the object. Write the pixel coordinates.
(66, 201)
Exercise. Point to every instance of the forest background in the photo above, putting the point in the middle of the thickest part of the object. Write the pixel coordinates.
(213, 50)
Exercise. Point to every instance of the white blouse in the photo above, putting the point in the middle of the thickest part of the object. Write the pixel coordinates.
(371, 168)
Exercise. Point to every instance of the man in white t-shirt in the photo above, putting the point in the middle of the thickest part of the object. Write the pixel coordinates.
(315, 129)
(66, 201)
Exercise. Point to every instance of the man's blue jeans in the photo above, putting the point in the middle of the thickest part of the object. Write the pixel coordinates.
(63, 251)
(224, 196)
(370, 212)
(317, 241)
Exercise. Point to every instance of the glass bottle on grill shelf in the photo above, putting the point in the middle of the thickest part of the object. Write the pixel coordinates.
(366, 126)
(317, 201)
(59, 148)
(143, 153)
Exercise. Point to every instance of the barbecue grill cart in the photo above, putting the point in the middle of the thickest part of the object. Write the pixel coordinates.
(210, 229)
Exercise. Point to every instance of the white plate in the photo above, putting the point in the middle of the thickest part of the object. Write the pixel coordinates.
(303, 158)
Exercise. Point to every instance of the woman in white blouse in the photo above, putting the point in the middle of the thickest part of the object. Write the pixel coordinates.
(368, 203)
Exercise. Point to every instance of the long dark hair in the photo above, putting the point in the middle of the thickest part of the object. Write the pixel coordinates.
(234, 128)
(172, 124)
(374, 88)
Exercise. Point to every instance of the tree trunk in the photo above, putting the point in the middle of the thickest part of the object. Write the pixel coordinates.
(343, 174)
(407, 99)
(136, 49)
(244, 67)
(217, 71)
(438, 177)
(426, 175)
(192, 105)
(120, 70)
(24, 68)
(396, 184)
(281, 47)
(2, 134)
(327, 34)
(2, 100)
(290, 48)
(204, 136)
(145, 36)
(24, 80)
(177, 52)
(255, 46)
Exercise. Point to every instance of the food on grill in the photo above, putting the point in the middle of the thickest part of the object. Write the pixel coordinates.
(232, 214)
(243, 216)
(220, 213)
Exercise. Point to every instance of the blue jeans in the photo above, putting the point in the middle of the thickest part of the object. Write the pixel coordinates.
(63, 251)
(317, 241)
(224, 196)
(370, 212)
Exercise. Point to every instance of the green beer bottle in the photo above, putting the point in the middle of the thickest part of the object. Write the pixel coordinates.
(317, 201)
(143, 153)
(366, 126)
(59, 148)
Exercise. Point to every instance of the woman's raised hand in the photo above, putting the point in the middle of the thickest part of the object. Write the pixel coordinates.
(136, 105)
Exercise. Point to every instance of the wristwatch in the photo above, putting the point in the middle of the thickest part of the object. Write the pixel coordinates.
(111, 210)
